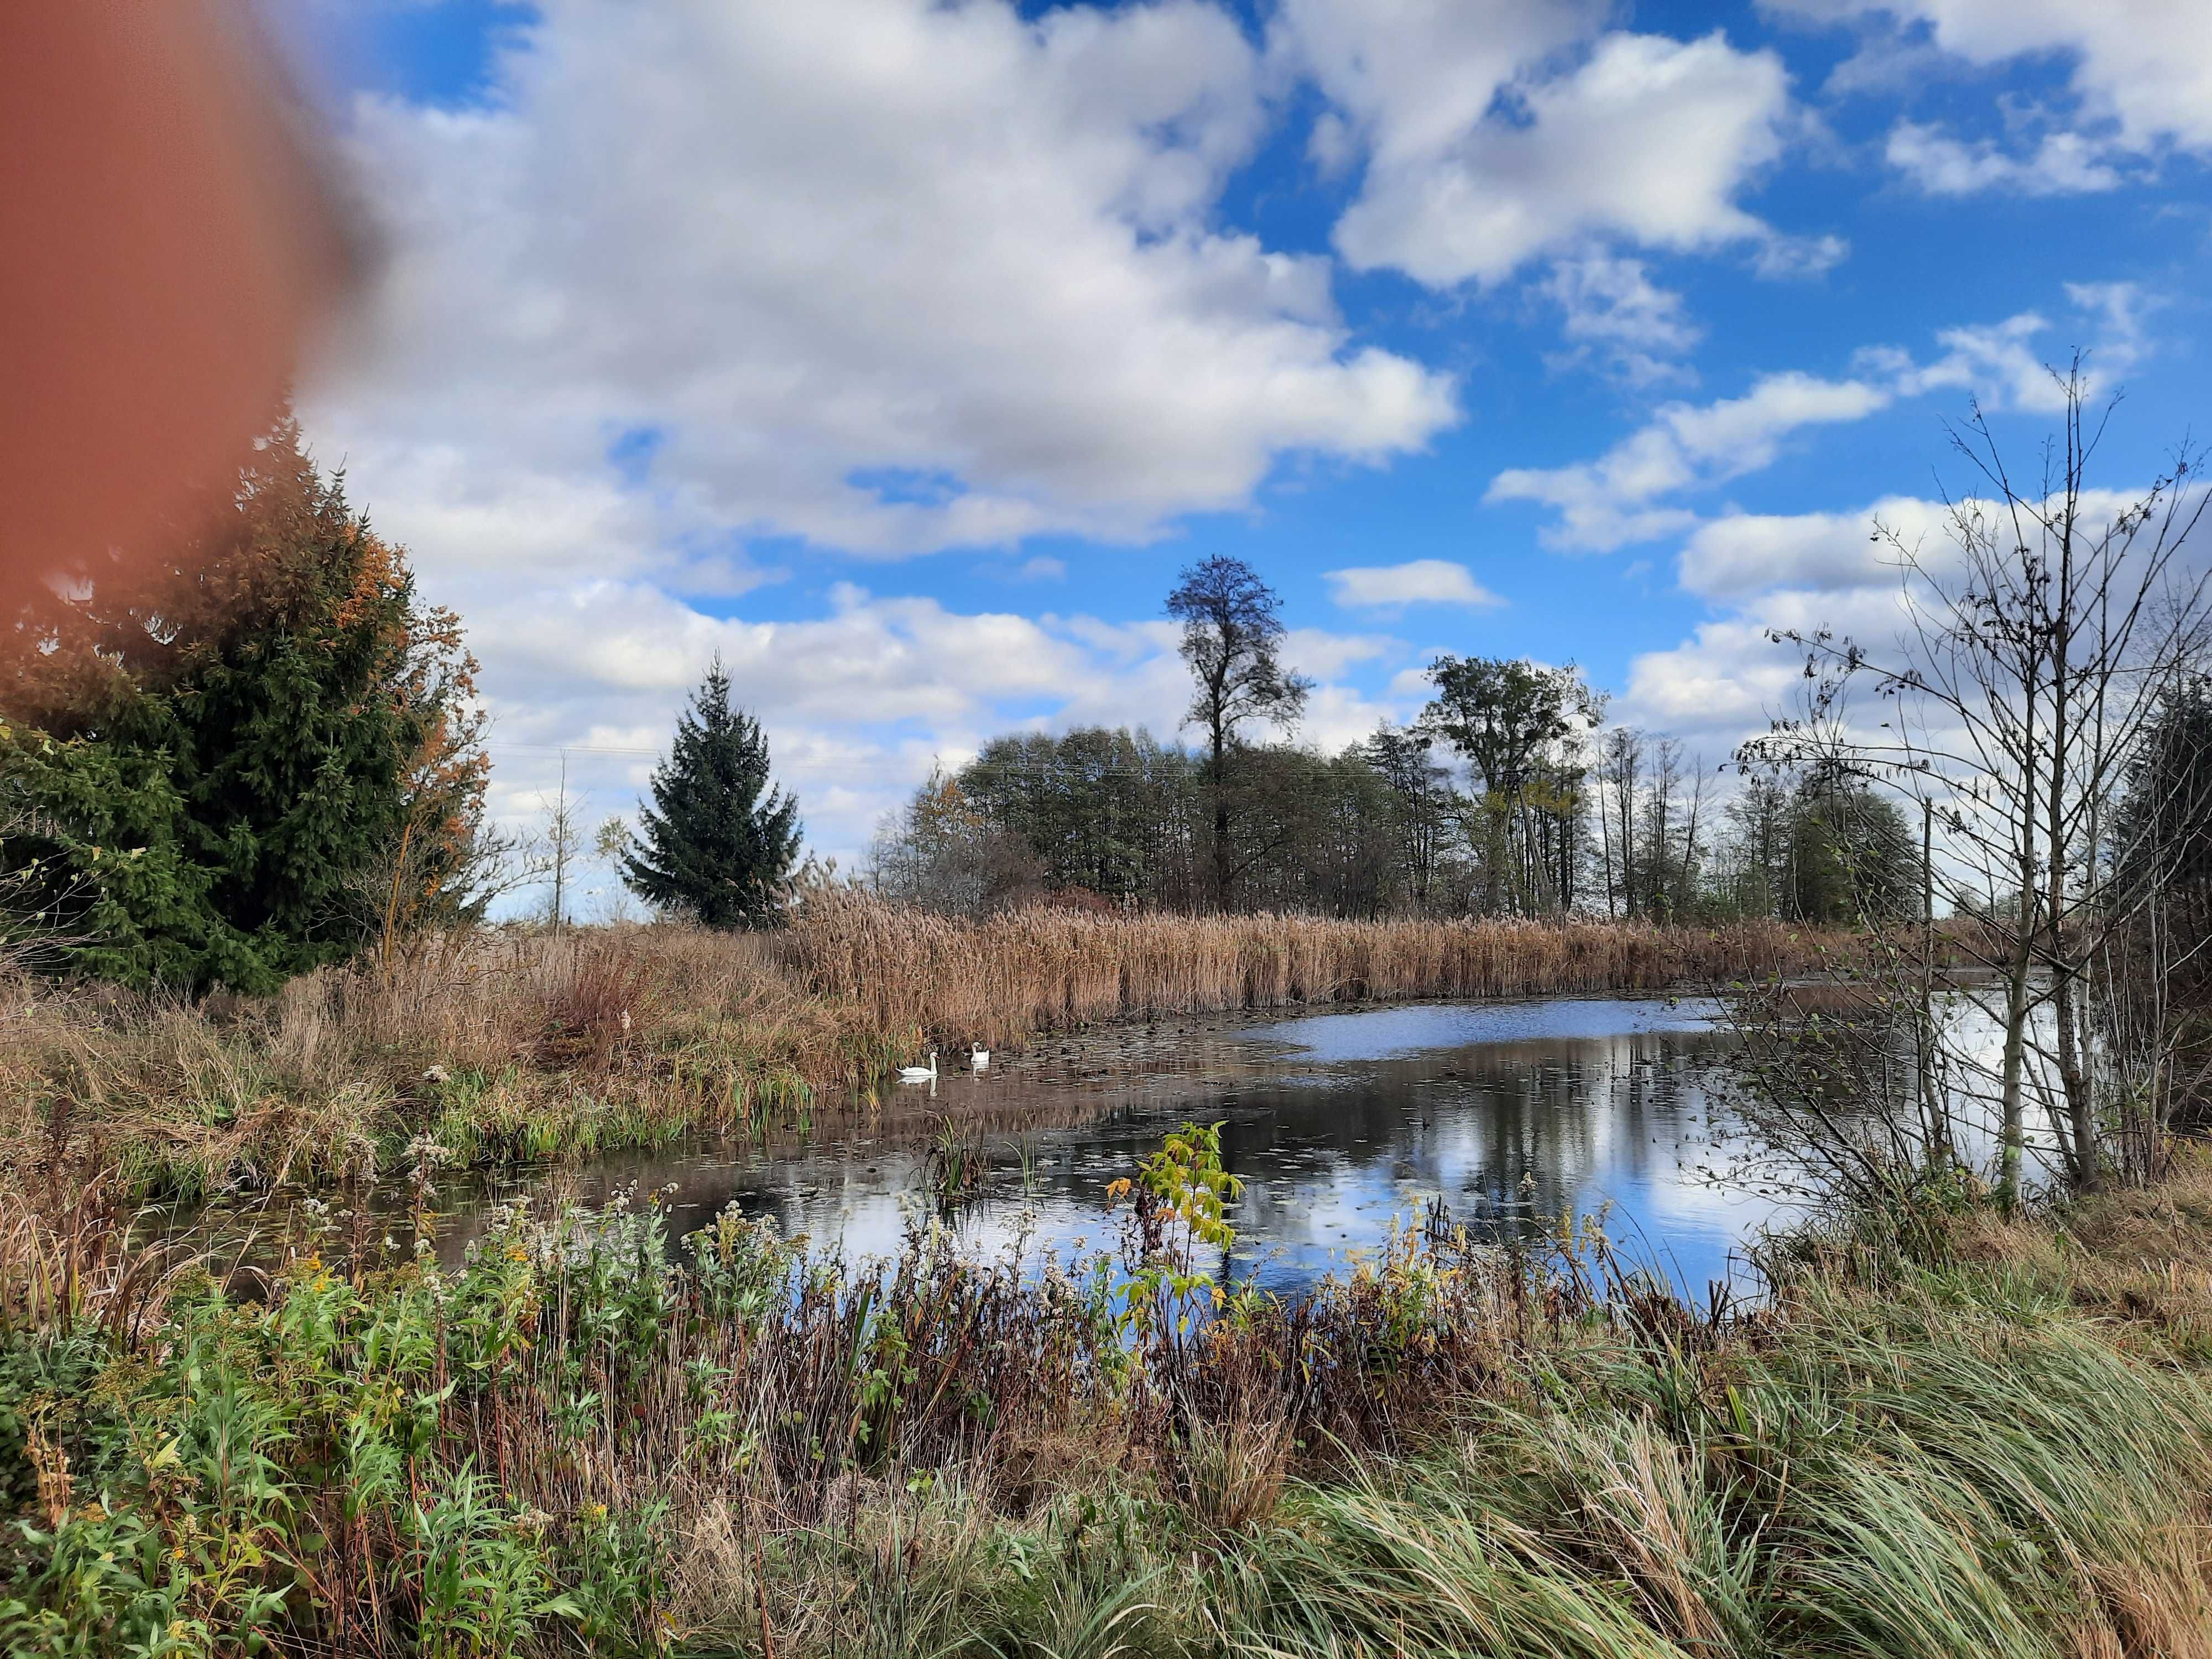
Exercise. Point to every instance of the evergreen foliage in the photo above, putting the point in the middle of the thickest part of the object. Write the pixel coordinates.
(209, 773)
(718, 842)
(1854, 857)
(2162, 831)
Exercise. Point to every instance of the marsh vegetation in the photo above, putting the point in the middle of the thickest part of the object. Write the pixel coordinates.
(1945, 1433)
(498, 1046)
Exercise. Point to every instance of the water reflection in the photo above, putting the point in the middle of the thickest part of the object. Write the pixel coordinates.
(1340, 1125)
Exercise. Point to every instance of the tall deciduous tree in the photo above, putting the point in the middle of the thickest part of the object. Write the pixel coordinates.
(1421, 794)
(1519, 727)
(1232, 633)
(718, 842)
(1853, 857)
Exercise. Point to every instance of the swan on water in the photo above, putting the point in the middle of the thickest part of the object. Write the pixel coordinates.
(920, 1073)
(979, 1058)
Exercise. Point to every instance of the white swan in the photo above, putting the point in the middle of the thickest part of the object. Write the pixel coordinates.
(979, 1058)
(920, 1073)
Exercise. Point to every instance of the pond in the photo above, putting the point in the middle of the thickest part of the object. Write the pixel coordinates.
(1340, 1124)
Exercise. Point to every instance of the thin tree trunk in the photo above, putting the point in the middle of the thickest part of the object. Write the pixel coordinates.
(1221, 872)
(2081, 1109)
(1605, 839)
(1933, 1108)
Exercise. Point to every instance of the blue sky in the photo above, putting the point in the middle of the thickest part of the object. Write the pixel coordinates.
(902, 352)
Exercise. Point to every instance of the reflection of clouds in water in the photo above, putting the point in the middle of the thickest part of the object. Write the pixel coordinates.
(1332, 1149)
(1422, 1028)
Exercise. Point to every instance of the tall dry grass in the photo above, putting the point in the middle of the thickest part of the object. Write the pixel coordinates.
(504, 1045)
(498, 1046)
(1014, 975)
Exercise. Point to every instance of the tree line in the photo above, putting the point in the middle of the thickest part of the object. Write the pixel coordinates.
(1507, 795)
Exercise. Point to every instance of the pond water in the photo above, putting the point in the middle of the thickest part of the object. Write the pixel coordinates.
(1340, 1124)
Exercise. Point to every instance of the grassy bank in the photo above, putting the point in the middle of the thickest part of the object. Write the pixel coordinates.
(1962, 1435)
(506, 1045)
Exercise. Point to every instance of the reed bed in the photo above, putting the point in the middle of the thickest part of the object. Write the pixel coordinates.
(500, 1046)
(1998, 1441)
(1002, 980)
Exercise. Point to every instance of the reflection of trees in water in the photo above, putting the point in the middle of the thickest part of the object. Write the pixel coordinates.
(1522, 1134)
(1511, 1134)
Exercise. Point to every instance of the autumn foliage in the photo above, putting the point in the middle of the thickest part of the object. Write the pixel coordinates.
(242, 759)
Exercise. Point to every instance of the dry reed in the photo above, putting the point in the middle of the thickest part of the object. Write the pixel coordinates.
(510, 1044)
(1011, 976)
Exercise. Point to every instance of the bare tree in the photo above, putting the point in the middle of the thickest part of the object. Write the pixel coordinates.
(1421, 790)
(1620, 766)
(940, 853)
(561, 843)
(2042, 636)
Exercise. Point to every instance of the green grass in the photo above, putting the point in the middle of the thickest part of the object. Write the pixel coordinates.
(1996, 1441)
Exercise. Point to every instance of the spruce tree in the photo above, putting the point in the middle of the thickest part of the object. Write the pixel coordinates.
(203, 763)
(718, 842)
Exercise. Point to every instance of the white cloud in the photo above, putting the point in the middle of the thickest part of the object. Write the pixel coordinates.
(1496, 134)
(885, 275)
(888, 275)
(2120, 308)
(1741, 554)
(2064, 163)
(1729, 679)
(1801, 572)
(1623, 496)
(858, 704)
(1415, 76)
(2137, 69)
(1739, 557)
(1322, 655)
(1420, 581)
(1617, 499)
(1614, 310)
(2001, 364)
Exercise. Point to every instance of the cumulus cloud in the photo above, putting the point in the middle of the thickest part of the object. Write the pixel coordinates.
(1617, 499)
(696, 286)
(1625, 495)
(1490, 144)
(2062, 164)
(1419, 581)
(2139, 79)
(1739, 555)
(2003, 364)
(858, 704)
(1768, 573)
(886, 275)
(1612, 310)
